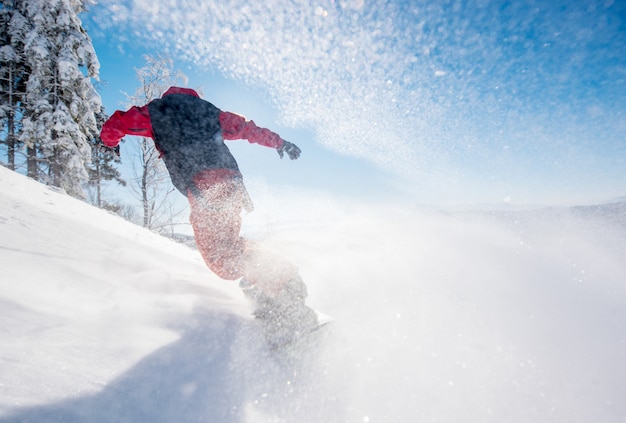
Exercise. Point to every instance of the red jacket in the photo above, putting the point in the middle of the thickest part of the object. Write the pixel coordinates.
(188, 132)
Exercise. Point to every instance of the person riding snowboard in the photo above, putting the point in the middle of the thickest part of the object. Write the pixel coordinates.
(189, 133)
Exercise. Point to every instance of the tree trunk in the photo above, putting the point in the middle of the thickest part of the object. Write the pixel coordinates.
(31, 163)
(98, 178)
(144, 187)
(11, 141)
(11, 123)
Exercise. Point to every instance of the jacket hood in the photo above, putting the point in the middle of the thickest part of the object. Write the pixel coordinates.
(180, 90)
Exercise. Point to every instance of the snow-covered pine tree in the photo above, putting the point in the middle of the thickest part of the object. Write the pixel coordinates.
(60, 103)
(102, 168)
(14, 72)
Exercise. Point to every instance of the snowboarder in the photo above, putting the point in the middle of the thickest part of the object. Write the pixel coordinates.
(189, 133)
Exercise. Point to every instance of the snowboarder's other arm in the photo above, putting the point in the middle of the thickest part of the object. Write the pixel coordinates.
(236, 127)
(136, 121)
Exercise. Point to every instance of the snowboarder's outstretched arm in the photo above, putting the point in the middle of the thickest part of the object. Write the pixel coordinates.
(236, 127)
(136, 121)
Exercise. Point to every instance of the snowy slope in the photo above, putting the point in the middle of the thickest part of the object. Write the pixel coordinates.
(485, 317)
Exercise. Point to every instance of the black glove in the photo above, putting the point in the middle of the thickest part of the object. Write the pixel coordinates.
(292, 150)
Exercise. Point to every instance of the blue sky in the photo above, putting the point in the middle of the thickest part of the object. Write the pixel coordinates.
(441, 103)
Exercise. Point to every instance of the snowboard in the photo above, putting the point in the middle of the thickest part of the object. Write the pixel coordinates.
(307, 341)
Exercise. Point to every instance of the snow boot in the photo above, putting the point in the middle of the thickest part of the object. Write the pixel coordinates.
(284, 318)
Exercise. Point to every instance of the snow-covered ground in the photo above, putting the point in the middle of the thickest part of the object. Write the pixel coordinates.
(463, 317)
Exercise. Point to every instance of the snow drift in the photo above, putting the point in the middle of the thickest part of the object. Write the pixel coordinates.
(446, 317)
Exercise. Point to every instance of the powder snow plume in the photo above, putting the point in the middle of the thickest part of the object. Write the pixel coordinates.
(463, 96)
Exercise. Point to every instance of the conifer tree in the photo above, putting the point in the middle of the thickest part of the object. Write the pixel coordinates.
(14, 71)
(102, 168)
(60, 102)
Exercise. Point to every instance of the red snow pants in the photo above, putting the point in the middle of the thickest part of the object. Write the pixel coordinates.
(216, 207)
